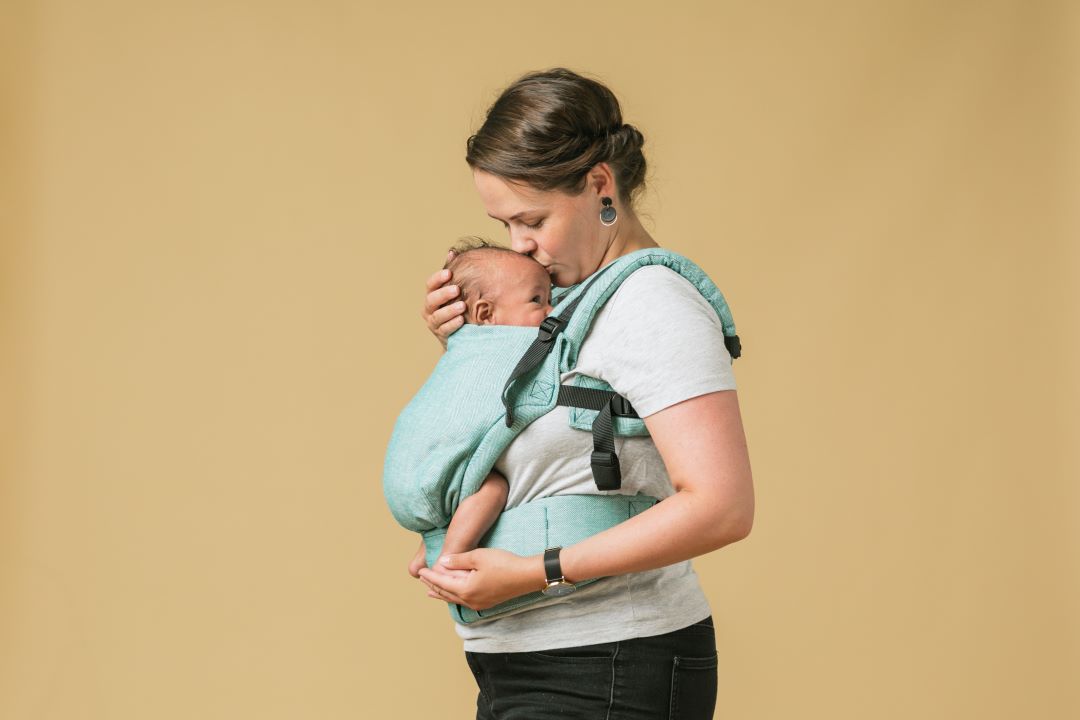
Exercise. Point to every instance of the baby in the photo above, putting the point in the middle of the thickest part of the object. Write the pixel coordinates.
(499, 287)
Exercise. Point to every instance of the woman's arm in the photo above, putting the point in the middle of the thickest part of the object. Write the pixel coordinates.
(703, 445)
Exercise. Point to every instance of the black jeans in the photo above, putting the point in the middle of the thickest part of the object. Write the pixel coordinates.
(649, 678)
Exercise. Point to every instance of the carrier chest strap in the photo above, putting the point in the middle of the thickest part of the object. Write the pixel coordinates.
(594, 399)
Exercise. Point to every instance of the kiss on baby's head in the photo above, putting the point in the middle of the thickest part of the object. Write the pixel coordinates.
(499, 286)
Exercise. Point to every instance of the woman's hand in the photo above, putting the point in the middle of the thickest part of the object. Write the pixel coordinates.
(483, 578)
(442, 318)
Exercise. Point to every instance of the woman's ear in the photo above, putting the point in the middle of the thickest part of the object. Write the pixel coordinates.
(601, 180)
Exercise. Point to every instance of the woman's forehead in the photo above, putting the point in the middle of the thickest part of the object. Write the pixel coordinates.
(505, 199)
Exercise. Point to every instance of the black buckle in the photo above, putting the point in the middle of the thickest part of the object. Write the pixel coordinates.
(604, 458)
(605, 468)
(621, 406)
(549, 328)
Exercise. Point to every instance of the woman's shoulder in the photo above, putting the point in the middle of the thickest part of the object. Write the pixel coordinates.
(660, 275)
(657, 291)
(659, 341)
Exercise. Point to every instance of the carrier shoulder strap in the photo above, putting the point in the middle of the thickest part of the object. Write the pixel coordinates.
(604, 461)
(543, 345)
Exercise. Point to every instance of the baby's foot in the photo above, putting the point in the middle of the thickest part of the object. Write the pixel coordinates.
(419, 561)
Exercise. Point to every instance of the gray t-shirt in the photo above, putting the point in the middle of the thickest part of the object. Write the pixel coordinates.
(657, 342)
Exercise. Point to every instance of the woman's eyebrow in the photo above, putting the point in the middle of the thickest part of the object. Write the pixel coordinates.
(515, 216)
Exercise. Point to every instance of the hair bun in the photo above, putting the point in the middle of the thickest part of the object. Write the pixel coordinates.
(628, 136)
(549, 128)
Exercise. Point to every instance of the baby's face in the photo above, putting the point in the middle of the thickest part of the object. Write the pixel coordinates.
(525, 295)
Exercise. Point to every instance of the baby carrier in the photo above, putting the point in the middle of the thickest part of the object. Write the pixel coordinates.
(447, 439)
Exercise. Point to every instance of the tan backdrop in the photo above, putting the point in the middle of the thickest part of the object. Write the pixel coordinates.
(217, 219)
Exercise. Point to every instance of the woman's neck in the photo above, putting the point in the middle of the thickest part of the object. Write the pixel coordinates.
(629, 235)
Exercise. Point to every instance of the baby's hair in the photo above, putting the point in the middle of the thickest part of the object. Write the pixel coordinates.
(474, 268)
(468, 244)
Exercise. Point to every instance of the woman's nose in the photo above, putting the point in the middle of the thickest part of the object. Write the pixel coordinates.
(522, 244)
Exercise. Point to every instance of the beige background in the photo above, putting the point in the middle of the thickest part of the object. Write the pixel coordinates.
(217, 218)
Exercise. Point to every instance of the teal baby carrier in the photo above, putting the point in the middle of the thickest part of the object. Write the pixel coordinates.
(447, 439)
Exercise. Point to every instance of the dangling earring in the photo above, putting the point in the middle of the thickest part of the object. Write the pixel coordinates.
(607, 213)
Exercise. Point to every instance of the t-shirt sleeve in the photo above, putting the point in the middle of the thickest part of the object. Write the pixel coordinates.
(661, 342)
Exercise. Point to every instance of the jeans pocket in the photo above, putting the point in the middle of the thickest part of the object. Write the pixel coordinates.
(703, 630)
(693, 688)
(601, 652)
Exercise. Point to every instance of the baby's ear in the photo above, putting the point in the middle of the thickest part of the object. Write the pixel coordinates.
(484, 312)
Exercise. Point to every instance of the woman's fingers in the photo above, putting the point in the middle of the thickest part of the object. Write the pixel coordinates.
(451, 597)
(441, 315)
(433, 591)
(437, 279)
(438, 297)
(440, 593)
(444, 321)
(446, 314)
(445, 595)
(446, 581)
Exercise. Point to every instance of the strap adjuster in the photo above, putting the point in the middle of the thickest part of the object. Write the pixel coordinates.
(606, 472)
(549, 328)
(621, 406)
(604, 458)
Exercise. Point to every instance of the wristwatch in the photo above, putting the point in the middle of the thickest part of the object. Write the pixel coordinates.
(557, 586)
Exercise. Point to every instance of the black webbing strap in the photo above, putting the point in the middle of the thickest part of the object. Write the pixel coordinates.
(594, 399)
(533, 356)
(604, 461)
(731, 342)
(542, 345)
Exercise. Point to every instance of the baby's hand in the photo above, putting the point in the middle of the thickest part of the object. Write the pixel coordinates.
(442, 316)
(419, 561)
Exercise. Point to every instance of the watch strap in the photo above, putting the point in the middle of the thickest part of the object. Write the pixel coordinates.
(552, 566)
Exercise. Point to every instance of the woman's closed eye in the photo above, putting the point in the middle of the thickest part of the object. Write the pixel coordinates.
(533, 226)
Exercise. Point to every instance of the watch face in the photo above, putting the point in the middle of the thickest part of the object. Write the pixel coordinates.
(559, 588)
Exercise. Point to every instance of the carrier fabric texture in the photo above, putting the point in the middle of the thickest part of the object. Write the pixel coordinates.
(449, 436)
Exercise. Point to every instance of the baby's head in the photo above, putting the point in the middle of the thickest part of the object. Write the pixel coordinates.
(500, 286)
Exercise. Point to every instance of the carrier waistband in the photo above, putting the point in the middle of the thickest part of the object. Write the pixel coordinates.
(532, 527)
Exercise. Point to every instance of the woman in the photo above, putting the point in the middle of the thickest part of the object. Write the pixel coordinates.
(556, 165)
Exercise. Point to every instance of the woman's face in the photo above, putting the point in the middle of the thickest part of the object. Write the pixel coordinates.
(560, 231)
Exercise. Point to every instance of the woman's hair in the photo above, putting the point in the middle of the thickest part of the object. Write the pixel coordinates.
(549, 128)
